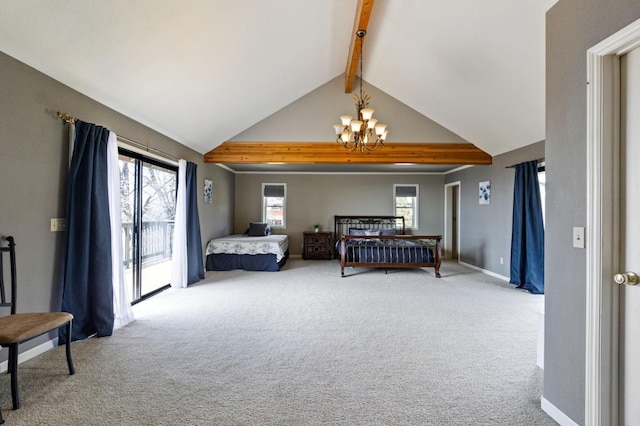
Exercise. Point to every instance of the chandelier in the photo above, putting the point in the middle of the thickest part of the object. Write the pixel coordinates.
(364, 132)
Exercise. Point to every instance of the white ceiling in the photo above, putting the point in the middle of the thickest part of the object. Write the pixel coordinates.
(202, 71)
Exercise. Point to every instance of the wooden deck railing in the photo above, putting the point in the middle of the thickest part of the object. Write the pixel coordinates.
(156, 244)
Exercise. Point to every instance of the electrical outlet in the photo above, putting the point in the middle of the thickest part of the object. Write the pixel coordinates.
(57, 225)
(502, 261)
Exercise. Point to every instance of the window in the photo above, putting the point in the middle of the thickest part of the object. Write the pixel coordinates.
(274, 204)
(405, 203)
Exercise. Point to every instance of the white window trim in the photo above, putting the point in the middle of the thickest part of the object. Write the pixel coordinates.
(415, 224)
(284, 204)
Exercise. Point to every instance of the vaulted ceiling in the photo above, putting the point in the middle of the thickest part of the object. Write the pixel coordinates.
(203, 71)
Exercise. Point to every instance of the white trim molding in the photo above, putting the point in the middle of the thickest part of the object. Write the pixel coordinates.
(601, 357)
(561, 418)
(485, 271)
(447, 219)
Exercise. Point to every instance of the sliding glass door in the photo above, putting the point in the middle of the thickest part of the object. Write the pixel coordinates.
(148, 196)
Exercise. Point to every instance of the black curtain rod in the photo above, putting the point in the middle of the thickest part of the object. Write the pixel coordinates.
(513, 165)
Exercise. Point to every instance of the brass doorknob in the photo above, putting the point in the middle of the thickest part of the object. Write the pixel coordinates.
(627, 278)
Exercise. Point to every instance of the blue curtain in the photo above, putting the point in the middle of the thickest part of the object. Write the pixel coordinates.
(87, 288)
(527, 236)
(195, 267)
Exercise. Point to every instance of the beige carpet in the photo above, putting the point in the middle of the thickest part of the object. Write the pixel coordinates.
(303, 347)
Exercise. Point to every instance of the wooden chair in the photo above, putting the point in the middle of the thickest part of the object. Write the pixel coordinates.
(17, 328)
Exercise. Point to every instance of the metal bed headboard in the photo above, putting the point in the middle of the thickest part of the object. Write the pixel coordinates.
(342, 224)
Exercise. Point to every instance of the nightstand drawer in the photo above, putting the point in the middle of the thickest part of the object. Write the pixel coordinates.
(316, 245)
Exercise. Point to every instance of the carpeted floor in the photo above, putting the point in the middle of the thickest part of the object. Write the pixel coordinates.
(303, 347)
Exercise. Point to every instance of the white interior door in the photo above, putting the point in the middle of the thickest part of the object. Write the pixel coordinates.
(629, 411)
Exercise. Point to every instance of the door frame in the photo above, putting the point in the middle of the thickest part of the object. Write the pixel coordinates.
(603, 200)
(448, 218)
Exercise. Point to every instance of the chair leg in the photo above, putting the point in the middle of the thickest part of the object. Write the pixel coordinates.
(13, 366)
(72, 370)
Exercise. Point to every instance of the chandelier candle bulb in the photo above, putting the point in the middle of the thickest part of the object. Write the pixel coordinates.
(380, 129)
(367, 113)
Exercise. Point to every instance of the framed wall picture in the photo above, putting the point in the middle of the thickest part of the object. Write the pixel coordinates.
(208, 191)
(485, 192)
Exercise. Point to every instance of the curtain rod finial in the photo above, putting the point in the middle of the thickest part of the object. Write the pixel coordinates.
(66, 117)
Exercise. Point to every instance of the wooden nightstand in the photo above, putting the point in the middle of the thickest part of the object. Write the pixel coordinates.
(316, 245)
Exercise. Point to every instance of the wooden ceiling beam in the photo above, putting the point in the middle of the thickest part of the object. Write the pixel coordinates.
(360, 22)
(334, 153)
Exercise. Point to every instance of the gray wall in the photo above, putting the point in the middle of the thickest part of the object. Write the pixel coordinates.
(33, 168)
(573, 26)
(316, 198)
(485, 230)
(311, 118)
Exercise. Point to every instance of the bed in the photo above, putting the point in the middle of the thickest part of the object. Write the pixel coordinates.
(381, 242)
(249, 251)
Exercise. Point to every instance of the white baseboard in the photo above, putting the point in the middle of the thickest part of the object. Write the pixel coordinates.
(484, 271)
(31, 353)
(557, 415)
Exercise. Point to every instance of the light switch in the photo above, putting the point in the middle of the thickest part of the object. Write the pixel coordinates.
(578, 237)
